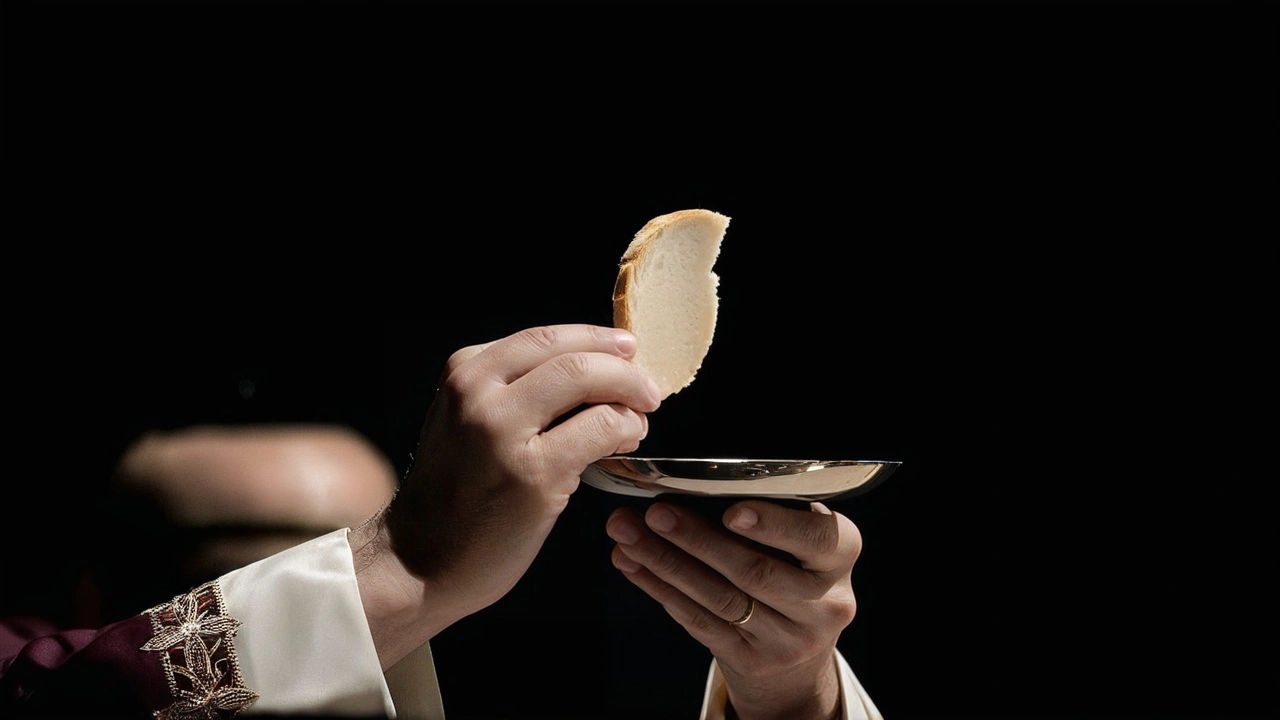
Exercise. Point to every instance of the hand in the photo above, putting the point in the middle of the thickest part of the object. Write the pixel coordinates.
(513, 425)
(781, 662)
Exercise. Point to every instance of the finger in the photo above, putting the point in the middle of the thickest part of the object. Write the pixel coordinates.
(509, 358)
(569, 380)
(597, 431)
(821, 540)
(680, 569)
(758, 571)
(702, 624)
(637, 545)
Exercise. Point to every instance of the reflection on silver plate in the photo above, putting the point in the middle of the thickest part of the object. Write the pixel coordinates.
(784, 479)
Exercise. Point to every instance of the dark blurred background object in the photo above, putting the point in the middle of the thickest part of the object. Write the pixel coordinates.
(1011, 248)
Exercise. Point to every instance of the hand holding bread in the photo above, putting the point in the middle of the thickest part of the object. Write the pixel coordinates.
(505, 441)
(514, 424)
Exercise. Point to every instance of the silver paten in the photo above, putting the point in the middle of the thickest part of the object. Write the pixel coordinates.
(734, 477)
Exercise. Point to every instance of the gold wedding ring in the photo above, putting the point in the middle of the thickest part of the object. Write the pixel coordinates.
(751, 608)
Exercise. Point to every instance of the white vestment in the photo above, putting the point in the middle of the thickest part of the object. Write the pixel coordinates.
(304, 645)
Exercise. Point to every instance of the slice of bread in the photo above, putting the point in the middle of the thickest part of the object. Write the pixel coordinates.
(667, 295)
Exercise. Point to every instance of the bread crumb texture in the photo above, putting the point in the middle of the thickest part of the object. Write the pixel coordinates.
(666, 294)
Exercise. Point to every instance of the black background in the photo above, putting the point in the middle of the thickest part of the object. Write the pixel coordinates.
(1014, 247)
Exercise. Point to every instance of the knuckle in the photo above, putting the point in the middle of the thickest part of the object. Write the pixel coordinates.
(475, 414)
(542, 337)
(481, 419)
(606, 427)
(759, 576)
(730, 605)
(573, 366)
(840, 610)
(611, 421)
(821, 537)
(706, 620)
(847, 612)
(855, 544)
(458, 357)
(454, 382)
(667, 563)
(843, 613)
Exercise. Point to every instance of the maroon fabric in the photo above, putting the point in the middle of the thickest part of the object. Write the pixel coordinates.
(46, 671)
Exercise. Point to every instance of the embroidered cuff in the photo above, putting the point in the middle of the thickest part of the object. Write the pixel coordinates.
(193, 634)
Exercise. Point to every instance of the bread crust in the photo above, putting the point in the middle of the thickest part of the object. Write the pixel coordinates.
(637, 253)
(621, 291)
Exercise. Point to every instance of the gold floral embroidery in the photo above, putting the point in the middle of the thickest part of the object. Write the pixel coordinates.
(193, 635)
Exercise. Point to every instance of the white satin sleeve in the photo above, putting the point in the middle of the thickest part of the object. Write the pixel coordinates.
(304, 644)
(855, 703)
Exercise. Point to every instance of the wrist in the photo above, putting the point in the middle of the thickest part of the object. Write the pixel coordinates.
(394, 599)
(807, 692)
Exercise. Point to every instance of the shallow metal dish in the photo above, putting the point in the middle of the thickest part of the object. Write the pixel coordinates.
(783, 479)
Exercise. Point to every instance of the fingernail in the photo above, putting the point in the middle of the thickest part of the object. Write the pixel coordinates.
(625, 342)
(624, 563)
(745, 519)
(661, 519)
(624, 532)
(644, 422)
